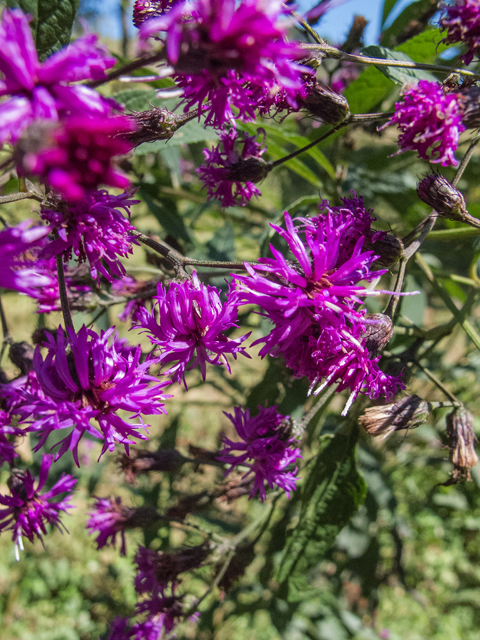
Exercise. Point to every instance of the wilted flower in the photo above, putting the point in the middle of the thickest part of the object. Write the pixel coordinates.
(267, 448)
(75, 156)
(190, 328)
(461, 436)
(462, 21)
(230, 174)
(156, 570)
(430, 122)
(27, 510)
(85, 378)
(110, 517)
(163, 613)
(314, 302)
(438, 193)
(218, 46)
(141, 461)
(95, 230)
(407, 413)
(43, 91)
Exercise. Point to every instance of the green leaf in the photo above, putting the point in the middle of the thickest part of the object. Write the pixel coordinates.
(398, 75)
(55, 20)
(388, 6)
(332, 493)
(168, 217)
(367, 91)
(411, 12)
(222, 245)
(424, 47)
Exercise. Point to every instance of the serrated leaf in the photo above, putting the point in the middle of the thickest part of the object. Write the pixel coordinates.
(331, 496)
(55, 20)
(399, 75)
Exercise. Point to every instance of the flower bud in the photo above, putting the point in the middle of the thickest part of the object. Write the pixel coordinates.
(388, 247)
(145, 9)
(407, 413)
(249, 170)
(156, 124)
(461, 438)
(141, 461)
(378, 334)
(439, 194)
(326, 104)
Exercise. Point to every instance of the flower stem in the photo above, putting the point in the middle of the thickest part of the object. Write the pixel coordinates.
(67, 317)
(142, 61)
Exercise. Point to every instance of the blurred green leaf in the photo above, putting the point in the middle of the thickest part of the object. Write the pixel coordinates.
(398, 75)
(167, 216)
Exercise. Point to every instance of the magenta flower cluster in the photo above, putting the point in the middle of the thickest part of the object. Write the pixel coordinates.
(461, 20)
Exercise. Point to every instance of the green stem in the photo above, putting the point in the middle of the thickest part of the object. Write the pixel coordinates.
(142, 61)
(67, 317)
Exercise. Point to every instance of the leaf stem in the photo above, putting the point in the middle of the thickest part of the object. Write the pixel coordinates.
(67, 317)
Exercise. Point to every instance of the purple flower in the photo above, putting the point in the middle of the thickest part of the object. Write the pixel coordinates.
(314, 302)
(191, 325)
(109, 518)
(266, 448)
(163, 613)
(43, 91)
(14, 242)
(230, 174)
(462, 21)
(95, 230)
(84, 378)
(430, 122)
(119, 629)
(128, 286)
(218, 46)
(7, 448)
(75, 156)
(27, 510)
(146, 9)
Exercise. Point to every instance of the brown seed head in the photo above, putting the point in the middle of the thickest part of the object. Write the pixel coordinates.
(461, 438)
(407, 413)
(438, 193)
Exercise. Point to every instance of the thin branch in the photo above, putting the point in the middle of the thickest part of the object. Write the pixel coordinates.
(142, 61)
(7, 338)
(22, 195)
(67, 317)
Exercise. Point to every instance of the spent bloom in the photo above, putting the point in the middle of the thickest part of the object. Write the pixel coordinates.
(75, 156)
(85, 378)
(188, 325)
(15, 273)
(229, 173)
(42, 91)
(94, 229)
(266, 446)
(429, 121)
(27, 510)
(314, 301)
(217, 47)
(462, 22)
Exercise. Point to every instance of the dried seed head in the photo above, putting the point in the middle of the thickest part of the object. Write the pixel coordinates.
(156, 124)
(141, 461)
(326, 104)
(461, 438)
(407, 413)
(439, 194)
(378, 334)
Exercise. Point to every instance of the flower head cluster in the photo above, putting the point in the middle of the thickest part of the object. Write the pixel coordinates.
(430, 122)
(27, 510)
(314, 301)
(43, 91)
(462, 21)
(146, 9)
(229, 174)
(95, 230)
(15, 273)
(75, 156)
(190, 328)
(85, 378)
(108, 518)
(217, 47)
(267, 447)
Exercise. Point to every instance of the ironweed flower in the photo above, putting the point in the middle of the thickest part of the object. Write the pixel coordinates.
(430, 122)
(146, 9)
(42, 91)
(85, 378)
(462, 22)
(7, 448)
(314, 301)
(16, 273)
(229, 174)
(266, 447)
(156, 571)
(95, 230)
(163, 613)
(27, 510)
(75, 156)
(190, 327)
(218, 46)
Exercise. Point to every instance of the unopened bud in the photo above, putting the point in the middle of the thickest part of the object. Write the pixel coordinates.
(156, 124)
(388, 247)
(461, 438)
(249, 170)
(377, 334)
(145, 9)
(407, 413)
(142, 461)
(438, 193)
(326, 104)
